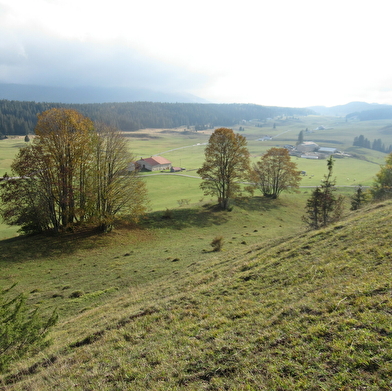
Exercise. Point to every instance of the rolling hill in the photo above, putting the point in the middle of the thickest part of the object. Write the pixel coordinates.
(310, 311)
(343, 110)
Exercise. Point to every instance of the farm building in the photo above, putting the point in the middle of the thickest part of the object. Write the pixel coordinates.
(308, 156)
(307, 146)
(327, 150)
(154, 163)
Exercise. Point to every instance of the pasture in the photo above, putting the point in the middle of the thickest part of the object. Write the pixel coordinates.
(153, 307)
(185, 148)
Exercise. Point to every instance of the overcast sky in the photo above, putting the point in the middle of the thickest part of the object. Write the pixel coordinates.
(270, 52)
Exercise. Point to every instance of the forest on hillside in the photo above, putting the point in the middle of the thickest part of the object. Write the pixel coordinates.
(20, 118)
(369, 115)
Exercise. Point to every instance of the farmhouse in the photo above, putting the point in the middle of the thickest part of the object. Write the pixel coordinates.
(307, 146)
(154, 163)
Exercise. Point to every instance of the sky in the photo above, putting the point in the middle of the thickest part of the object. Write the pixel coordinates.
(276, 53)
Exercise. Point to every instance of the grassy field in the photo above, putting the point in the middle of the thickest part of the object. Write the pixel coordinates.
(154, 308)
(185, 148)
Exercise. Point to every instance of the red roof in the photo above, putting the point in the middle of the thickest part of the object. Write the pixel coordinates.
(153, 161)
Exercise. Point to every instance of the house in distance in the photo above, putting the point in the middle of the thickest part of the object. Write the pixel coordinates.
(153, 163)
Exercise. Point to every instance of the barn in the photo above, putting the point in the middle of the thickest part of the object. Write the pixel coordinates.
(154, 163)
(307, 146)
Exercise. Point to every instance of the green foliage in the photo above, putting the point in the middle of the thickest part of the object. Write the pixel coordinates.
(275, 172)
(377, 145)
(358, 199)
(382, 187)
(324, 207)
(73, 173)
(227, 162)
(22, 330)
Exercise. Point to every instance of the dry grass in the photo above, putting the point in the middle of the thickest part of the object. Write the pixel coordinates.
(308, 312)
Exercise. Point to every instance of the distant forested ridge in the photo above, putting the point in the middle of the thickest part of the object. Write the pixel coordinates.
(19, 117)
(368, 115)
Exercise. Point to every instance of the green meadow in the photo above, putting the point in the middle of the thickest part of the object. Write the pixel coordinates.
(185, 148)
(153, 307)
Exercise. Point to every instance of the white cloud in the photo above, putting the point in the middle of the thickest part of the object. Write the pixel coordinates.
(274, 53)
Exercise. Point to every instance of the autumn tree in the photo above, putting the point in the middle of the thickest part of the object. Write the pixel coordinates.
(73, 172)
(226, 165)
(27, 197)
(275, 172)
(117, 191)
(65, 137)
(324, 206)
(382, 187)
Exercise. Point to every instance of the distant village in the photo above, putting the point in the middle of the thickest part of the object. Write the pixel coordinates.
(309, 149)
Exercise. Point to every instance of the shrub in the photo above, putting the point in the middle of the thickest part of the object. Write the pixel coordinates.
(21, 330)
(168, 214)
(76, 294)
(217, 243)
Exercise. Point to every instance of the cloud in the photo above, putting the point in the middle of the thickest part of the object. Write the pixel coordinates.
(29, 55)
(274, 53)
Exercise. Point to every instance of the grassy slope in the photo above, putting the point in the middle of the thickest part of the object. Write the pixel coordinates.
(309, 311)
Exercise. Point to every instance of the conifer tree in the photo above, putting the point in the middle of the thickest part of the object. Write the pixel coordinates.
(20, 329)
(358, 198)
(324, 207)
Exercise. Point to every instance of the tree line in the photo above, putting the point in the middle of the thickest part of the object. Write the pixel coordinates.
(20, 118)
(377, 144)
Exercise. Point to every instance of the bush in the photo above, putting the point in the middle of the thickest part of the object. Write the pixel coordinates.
(21, 330)
(76, 294)
(217, 243)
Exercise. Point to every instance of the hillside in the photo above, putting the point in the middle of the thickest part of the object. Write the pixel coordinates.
(20, 118)
(347, 109)
(311, 311)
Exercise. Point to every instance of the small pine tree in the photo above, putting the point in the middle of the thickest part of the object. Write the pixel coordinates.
(358, 198)
(20, 329)
(27, 138)
(324, 207)
(313, 209)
